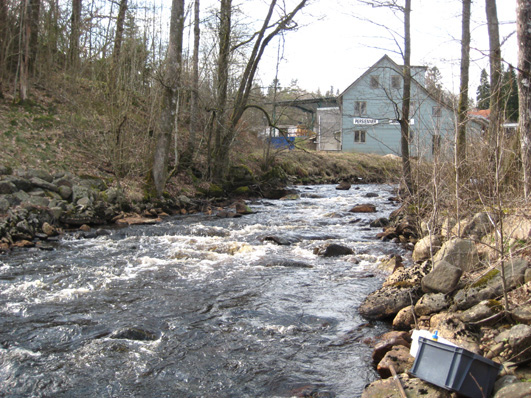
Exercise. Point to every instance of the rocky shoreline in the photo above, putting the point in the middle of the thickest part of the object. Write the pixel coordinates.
(455, 287)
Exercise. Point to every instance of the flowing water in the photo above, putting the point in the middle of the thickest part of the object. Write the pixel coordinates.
(198, 306)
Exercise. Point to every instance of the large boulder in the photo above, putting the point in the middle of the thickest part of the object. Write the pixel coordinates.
(444, 278)
(459, 252)
(426, 247)
(453, 329)
(517, 341)
(431, 303)
(481, 311)
(387, 301)
(387, 342)
(474, 227)
(405, 318)
(399, 358)
(515, 390)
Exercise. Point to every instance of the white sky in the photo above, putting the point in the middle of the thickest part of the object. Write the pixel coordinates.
(337, 42)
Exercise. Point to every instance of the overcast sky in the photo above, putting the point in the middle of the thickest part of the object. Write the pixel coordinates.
(339, 39)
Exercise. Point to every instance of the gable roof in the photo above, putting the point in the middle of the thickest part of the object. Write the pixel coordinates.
(398, 69)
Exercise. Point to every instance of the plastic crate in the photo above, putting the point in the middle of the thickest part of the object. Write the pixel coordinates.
(455, 369)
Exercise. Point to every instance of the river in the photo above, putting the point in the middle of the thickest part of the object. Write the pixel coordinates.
(199, 306)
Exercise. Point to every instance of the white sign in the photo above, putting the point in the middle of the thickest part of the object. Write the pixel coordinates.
(365, 121)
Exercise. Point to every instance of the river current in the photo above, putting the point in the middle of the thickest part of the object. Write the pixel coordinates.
(199, 306)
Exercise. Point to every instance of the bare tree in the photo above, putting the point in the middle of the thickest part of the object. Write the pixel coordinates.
(168, 118)
(24, 51)
(75, 33)
(3, 43)
(406, 99)
(35, 7)
(523, 21)
(495, 118)
(462, 111)
(118, 38)
(224, 123)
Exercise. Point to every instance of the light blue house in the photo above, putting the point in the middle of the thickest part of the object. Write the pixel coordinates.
(370, 107)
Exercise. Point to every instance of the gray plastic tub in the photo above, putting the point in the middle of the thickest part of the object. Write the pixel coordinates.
(455, 369)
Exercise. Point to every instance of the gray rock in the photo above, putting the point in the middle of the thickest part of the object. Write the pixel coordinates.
(522, 314)
(7, 187)
(334, 250)
(469, 297)
(56, 212)
(41, 174)
(475, 227)
(38, 201)
(516, 390)
(444, 278)
(21, 196)
(43, 184)
(386, 302)
(483, 310)
(514, 275)
(399, 358)
(21, 183)
(519, 340)
(65, 191)
(4, 204)
(431, 303)
(460, 253)
(426, 247)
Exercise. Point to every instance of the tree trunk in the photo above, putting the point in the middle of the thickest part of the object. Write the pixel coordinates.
(406, 100)
(35, 7)
(75, 33)
(220, 124)
(495, 119)
(462, 111)
(168, 118)
(195, 82)
(523, 32)
(118, 38)
(3, 44)
(25, 28)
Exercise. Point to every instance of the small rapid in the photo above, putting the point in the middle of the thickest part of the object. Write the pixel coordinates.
(199, 306)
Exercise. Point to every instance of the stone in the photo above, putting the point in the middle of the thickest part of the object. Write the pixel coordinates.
(40, 183)
(414, 388)
(517, 227)
(399, 358)
(4, 204)
(483, 310)
(371, 195)
(518, 339)
(7, 187)
(65, 192)
(386, 302)
(522, 314)
(430, 303)
(405, 319)
(475, 227)
(242, 208)
(515, 390)
(387, 342)
(138, 220)
(461, 253)
(38, 201)
(426, 247)
(514, 270)
(363, 208)
(35, 173)
(408, 277)
(343, 186)
(470, 296)
(453, 329)
(49, 230)
(447, 226)
(444, 278)
(334, 250)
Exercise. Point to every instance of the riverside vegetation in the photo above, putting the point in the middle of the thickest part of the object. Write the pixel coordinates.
(469, 279)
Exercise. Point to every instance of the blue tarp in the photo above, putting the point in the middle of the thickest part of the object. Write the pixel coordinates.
(281, 142)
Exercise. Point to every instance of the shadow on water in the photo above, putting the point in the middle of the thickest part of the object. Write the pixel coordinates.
(198, 306)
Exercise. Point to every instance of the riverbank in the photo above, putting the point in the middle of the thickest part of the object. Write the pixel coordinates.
(461, 287)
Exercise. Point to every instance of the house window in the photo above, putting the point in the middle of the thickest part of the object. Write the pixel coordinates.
(375, 81)
(360, 108)
(436, 111)
(395, 81)
(359, 136)
(435, 144)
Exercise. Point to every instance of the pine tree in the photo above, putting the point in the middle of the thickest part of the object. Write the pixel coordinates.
(483, 91)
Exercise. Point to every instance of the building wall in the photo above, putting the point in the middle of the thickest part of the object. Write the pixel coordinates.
(328, 129)
(369, 112)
